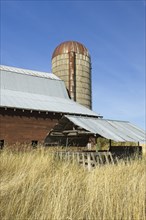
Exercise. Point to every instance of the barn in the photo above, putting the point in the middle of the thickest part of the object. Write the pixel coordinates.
(31, 103)
(35, 108)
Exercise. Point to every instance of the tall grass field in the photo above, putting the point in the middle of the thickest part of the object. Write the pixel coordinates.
(35, 186)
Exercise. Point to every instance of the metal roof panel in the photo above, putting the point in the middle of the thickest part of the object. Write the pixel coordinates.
(30, 101)
(28, 83)
(29, 72)
(111, 129)
(21, 89)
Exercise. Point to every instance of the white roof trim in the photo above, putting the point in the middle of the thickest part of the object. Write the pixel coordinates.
(29, 72)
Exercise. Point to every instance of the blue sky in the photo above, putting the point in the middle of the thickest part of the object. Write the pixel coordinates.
(113, 32)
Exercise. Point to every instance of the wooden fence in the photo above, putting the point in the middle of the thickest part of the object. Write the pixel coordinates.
(88, 160)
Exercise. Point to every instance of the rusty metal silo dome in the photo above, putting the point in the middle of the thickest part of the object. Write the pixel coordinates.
(71, 62)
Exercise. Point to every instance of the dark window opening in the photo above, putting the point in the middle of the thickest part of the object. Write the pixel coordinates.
(34, 143)
(1, 144)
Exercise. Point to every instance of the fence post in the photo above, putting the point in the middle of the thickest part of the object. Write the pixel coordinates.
(93, 158)
(111, 158)
(78, 157)
(73, 157)
(100, 158)
(89, 161)
(61, 155)
(106, 157)
(83, 159)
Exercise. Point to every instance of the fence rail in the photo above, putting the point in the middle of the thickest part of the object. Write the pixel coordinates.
(89, 160)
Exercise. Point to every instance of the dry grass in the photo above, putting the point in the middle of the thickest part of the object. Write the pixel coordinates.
(35, 186)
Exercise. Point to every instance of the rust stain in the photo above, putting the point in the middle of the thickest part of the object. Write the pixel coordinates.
(72, 76)
(70, 46)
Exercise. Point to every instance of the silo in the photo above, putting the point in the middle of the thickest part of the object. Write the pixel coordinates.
(71, 62)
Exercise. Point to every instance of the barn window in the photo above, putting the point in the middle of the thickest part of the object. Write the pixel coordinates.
(34, 143)
(1, 144)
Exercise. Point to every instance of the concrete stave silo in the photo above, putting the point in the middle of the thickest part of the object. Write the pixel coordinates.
(71, 62)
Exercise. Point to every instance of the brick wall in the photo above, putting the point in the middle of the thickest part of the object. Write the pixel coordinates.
(23, 127)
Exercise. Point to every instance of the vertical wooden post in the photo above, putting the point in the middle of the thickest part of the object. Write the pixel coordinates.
(68, 156)
(106, 157)
(61, 155)
(83, 159)
(110, 143)
(66, 142)
(100, 158)
(73, 157)
(96, 145)
(93, 158)
(111, 158)
(78, 157)
(89, 161)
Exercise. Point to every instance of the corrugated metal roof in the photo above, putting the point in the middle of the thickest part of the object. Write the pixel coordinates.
(30, 101)
(28, 83)
(111, 129)
(42, 93)
(29, 72)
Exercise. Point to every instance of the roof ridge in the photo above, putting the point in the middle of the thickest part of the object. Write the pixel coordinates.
(29, 72)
